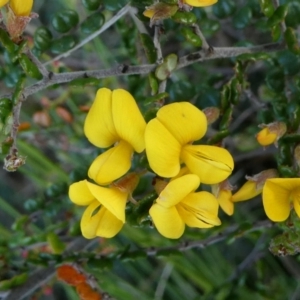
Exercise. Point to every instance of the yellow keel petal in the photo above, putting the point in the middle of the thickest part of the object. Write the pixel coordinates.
(80, 194)
(212, 164)
(178, 189)
(199, 210)
(112, 164)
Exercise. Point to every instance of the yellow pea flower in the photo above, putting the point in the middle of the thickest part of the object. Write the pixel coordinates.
(105, 212)
(114, 119)
(280, 195)
(200, 3)
(178, 205)
(169, 138)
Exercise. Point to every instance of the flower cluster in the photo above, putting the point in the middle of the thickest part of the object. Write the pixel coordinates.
(115, 121)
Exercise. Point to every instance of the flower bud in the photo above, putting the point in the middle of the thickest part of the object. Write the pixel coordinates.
(271, 133)
(212, 114)
(160, 11)
(254, 185)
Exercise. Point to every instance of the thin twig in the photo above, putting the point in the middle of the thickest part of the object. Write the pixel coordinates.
(43, 70)
(125, 70)
(211, 240)
(198, 32)
(108, 24)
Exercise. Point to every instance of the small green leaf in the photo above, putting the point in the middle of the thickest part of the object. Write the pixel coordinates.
(65, 20)
(91, 4)
(278, 15)
(62, 44)
(92, 23)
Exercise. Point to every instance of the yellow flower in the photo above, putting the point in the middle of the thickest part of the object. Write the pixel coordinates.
(200, 3)
(279, 196)
(168, 139)
(114, 119)
(21, 8)
(178, 205)
(271, 133)
(105, 212)
(254, 185)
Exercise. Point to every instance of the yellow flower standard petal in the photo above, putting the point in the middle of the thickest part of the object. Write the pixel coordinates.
(128, 120)
(99, 127)
(112, 164)
(199, 210)
(167, 221)
(184, 121)
(177, 190)
(212, 164)
(98, 221)
(111, 198)
(276, 197)
(200, 3)
(163, 150)
(21, 8)
(80, 194)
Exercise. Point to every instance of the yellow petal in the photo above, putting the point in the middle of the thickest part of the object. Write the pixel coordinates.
(276, 199)
(129, 122)
(3, 2)
(212, 164)
(99, 127)
(225, 202)
(265, 137)
(200, 3)
(184, 121)
(108, 225)
(111, 198)
(183, 171)
(178, 189)
(199, 210)
(167, 221)
(296, 203)
(149, 13)
(90, 221)
(112, 164)
(163, 150)
(289, 184)
(80, 194)
(21, 7)
(246, 192)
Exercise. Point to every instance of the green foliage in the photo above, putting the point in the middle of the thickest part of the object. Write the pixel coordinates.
(40, 227)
